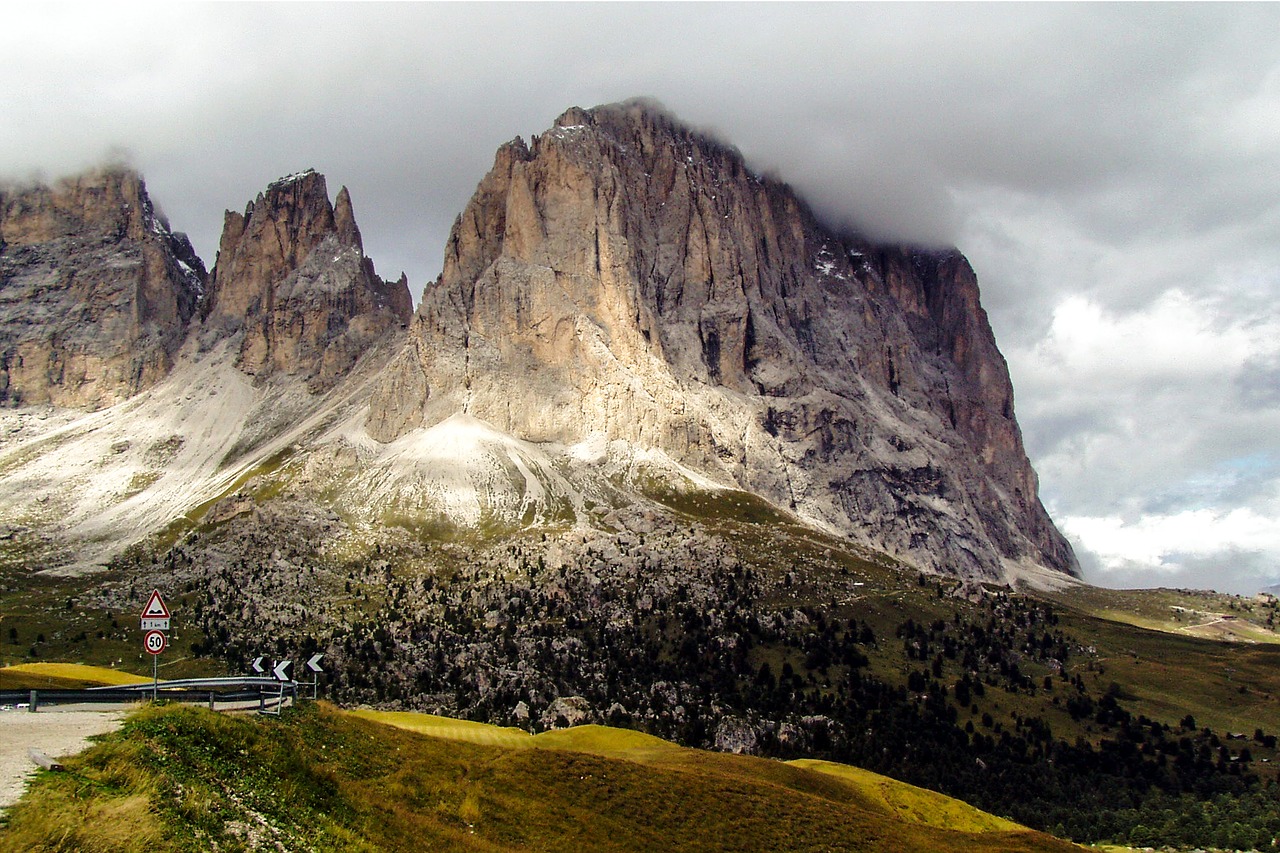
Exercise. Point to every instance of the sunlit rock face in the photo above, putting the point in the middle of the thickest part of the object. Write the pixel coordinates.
(627, 280)
(293, 282)
(96, 293)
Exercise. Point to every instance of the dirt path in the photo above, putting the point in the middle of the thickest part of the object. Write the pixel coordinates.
(56, 733)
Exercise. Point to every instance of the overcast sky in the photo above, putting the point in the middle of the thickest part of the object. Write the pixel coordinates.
(1112, 172)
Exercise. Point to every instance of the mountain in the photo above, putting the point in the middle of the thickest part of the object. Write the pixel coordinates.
(627, 315)
(210, 376)
(96, 292)
(647, 292)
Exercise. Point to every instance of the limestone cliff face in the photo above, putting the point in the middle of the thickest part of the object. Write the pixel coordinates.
(95, 291)
(292, 281)
(624, 277)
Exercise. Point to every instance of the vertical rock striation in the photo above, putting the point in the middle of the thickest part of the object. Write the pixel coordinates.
(96, 293)
(637, 282)
(293, 283)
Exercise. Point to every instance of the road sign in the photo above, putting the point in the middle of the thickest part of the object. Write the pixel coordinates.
(257, 665)
(155, 607)
(280, 670)
(154, 642)
(155, 616)
(314, 665)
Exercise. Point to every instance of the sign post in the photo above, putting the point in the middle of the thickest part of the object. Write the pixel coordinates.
(314, 666)
(281, 672)
(155, 621)
(155, 642)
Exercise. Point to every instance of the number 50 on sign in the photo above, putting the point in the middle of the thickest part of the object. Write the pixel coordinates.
(154, 642)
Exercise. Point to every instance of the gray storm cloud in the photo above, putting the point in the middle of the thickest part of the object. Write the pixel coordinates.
(1110, 170)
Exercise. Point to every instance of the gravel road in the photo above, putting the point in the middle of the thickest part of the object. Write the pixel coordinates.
(56, 733)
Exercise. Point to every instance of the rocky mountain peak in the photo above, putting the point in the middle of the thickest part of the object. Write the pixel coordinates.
(575, 117)
(344, 221)
(643, 287)
(95, 291)
(292, 282)
(278, 229)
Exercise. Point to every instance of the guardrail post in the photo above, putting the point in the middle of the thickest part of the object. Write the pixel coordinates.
(211, 700)
(34, 703)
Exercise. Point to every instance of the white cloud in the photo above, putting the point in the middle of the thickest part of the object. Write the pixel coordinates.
(1176, 337)
(1236, 550)
(1163, 542)
(1155, 435)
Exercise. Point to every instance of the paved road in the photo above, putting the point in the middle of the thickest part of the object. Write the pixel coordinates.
(56, 733)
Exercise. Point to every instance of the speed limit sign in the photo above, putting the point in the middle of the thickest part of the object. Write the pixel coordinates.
(154, 642)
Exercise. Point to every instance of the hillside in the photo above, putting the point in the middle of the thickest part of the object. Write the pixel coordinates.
(70, 676)
(178, 779)
(729, 627)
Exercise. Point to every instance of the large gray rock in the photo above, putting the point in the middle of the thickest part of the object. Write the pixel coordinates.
(96, 293)
(627, 279)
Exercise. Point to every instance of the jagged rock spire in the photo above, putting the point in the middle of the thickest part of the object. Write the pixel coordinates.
(293, 281)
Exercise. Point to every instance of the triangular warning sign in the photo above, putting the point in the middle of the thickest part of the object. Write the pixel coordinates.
(155, 608)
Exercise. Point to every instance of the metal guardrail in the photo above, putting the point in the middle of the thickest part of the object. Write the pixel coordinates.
(62, 697)
(266, 691)
(245, 681)
(108, 697)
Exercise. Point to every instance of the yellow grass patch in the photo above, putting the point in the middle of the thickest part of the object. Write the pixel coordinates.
(321, 779)
(73, 672)
(911, 804)
(607, 741)
(450, 729)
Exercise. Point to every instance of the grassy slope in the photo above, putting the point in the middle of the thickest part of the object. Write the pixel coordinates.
(912, 804)
(1196, 613)
(1227, 686)
(1168, 649)
(183, 778)
(865, 791)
